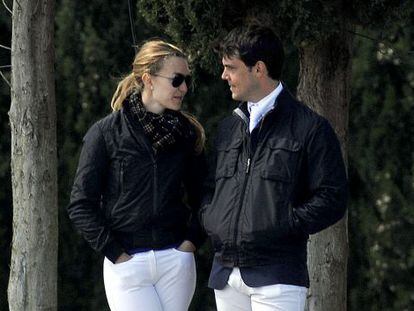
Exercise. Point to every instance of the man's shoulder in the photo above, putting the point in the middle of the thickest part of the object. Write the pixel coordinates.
(302, 118)
(304, 114)
(309, 123)
(229, 123)
(228, 129)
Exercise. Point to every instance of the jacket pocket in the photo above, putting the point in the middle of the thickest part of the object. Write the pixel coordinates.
(281, 159)
(227, 155)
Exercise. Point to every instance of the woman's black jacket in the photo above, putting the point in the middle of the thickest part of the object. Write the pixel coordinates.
(125, 196)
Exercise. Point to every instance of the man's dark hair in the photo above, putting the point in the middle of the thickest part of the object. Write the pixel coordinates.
(252, 44)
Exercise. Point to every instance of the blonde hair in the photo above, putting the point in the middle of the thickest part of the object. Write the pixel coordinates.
(150, 59)
(201, 136)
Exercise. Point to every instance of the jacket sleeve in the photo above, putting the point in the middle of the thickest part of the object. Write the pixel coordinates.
(84, 208)
(209, 184)
(193, 181)
(325, 181)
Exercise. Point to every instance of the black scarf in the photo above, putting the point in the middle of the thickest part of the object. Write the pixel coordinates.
(164, 130)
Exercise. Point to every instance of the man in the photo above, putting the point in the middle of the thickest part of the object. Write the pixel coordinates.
(279, 177)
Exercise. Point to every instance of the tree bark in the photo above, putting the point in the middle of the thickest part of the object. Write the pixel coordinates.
(324, 85)
(33, 269)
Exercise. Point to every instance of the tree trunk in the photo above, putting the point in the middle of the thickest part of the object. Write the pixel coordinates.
(33, 269)
(324, 85)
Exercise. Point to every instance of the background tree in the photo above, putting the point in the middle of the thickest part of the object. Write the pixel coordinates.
(5, 178)
(33, 269)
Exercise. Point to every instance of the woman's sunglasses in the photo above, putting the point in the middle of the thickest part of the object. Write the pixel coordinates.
(177, 80)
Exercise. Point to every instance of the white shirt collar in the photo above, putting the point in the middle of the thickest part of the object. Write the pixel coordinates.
(266, 103)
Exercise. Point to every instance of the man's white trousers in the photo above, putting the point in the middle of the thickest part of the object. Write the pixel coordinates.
(237, 296)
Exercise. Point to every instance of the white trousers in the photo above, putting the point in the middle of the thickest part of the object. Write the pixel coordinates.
(237, 296)
(162, 280)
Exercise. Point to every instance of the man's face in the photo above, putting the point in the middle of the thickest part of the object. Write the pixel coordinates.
(241, 79)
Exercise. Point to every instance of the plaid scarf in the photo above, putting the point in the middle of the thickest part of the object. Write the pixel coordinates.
(164, 130)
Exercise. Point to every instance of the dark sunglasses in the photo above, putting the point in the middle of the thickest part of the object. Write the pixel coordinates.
(177, 80)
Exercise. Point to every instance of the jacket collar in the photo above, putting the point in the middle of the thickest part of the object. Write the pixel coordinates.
(282, 105)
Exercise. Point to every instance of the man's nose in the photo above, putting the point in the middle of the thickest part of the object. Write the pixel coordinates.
(224, 75)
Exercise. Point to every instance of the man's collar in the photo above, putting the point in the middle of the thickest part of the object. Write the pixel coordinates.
(271, 97)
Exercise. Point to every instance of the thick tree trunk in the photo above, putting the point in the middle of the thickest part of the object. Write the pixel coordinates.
(325, 78)
(33, 269)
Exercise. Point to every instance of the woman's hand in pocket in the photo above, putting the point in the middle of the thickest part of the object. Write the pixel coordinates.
(123, 258)
(186, 246)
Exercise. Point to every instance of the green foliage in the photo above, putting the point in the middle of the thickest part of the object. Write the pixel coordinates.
(192, 24)
(376, 14)
(382, 175)
(198, 25)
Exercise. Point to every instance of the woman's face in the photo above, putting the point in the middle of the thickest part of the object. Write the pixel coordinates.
(166, 91)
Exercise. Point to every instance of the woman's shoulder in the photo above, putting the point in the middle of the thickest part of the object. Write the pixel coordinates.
(109, 122)
(104, 126)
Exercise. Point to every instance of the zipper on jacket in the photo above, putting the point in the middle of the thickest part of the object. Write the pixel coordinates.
(261, 125)
(248, 166)
(250, 155)
(152, 152)
(121, 178)
(246, 178)
(155, 192)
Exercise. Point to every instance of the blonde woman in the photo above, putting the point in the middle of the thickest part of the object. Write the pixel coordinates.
(134, 169)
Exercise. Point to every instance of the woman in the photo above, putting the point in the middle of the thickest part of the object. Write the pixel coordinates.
(127, 198)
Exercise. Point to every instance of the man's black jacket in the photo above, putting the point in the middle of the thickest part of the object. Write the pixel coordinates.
(268, 200)
(126, 197)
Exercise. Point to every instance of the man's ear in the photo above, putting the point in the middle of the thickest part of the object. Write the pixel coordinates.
(260, 69)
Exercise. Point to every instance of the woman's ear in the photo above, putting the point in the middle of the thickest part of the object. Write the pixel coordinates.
(146, 79)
